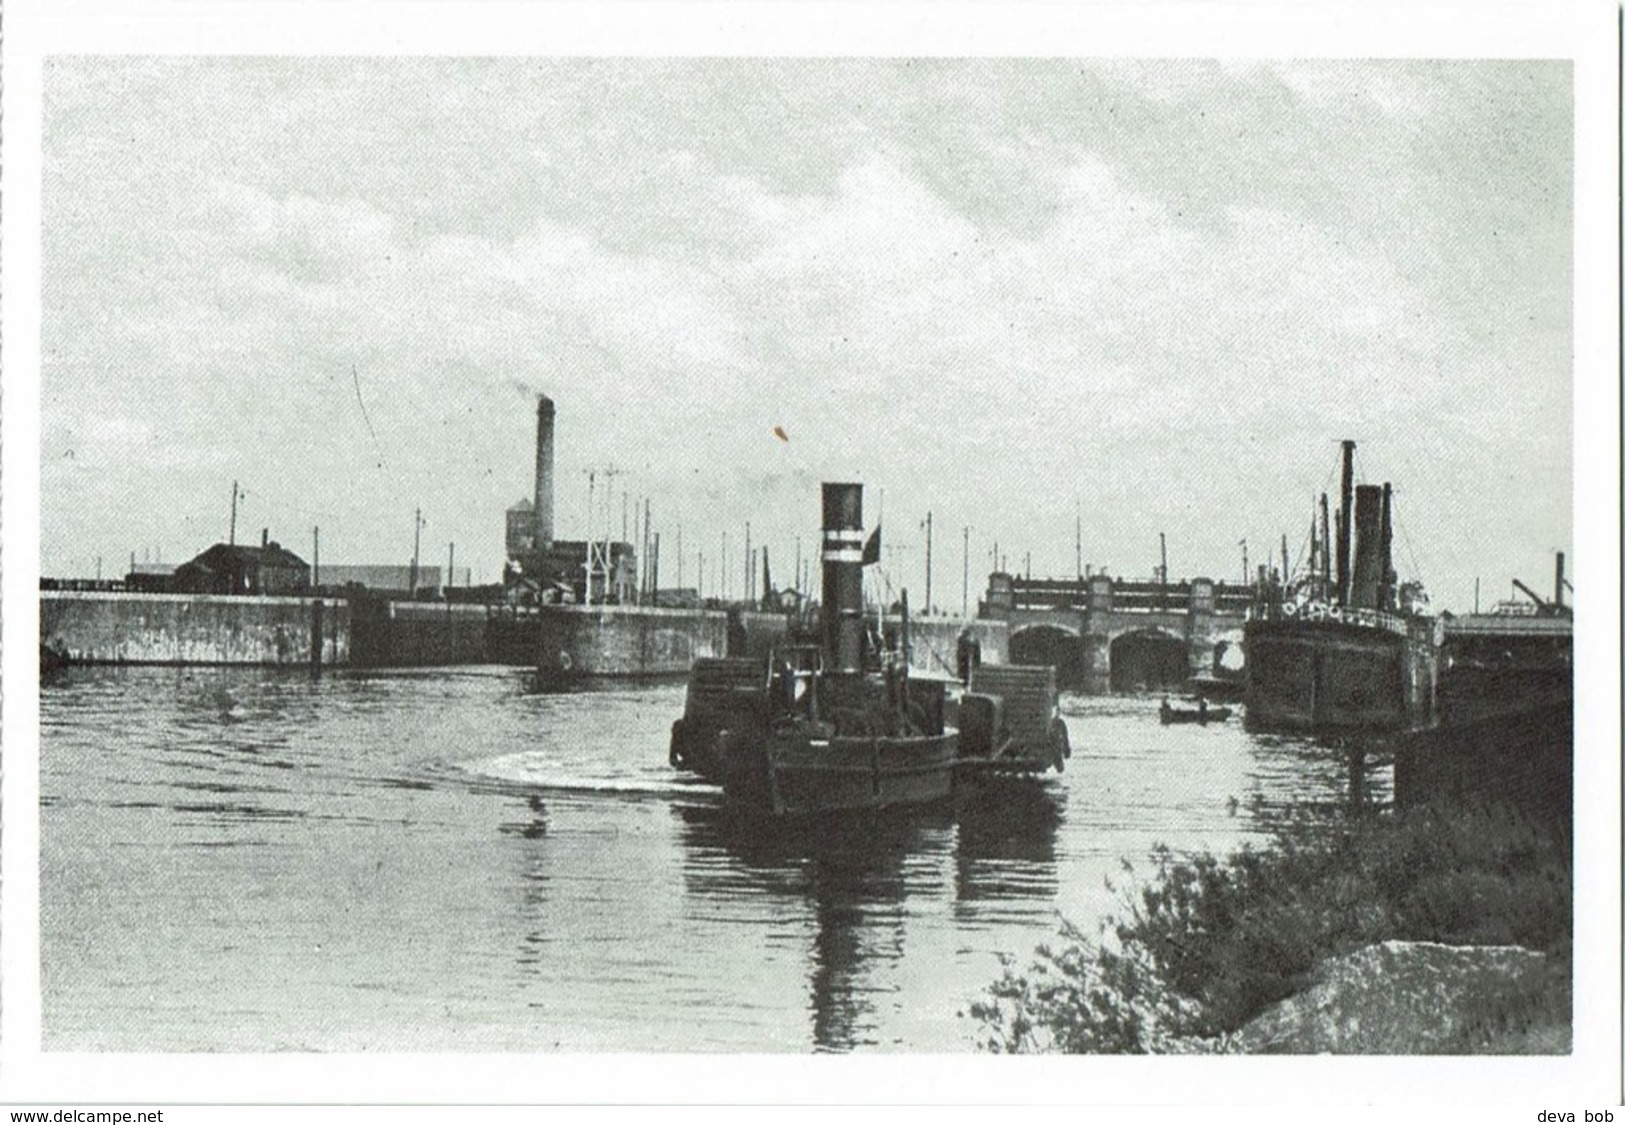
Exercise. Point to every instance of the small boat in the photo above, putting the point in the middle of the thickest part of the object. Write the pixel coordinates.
(1201, 713)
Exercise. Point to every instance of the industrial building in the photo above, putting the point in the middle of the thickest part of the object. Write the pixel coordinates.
(229, 568)
(545, 570)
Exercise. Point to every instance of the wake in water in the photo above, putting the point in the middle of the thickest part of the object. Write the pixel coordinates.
(536, 769)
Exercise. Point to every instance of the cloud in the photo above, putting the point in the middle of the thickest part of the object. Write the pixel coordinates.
(989, 287)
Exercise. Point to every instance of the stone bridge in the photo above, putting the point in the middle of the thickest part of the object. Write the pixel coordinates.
(1104, 634)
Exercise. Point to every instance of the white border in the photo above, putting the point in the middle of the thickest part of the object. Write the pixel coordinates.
(1585, 32)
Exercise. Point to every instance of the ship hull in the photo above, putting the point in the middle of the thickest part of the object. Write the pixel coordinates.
(790, 774)
(1335, 677)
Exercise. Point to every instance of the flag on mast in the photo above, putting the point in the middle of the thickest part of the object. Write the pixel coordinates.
(871, 549)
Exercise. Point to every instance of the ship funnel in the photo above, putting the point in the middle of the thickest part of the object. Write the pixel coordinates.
(843, 577)
(544, 473)
(1370, 568)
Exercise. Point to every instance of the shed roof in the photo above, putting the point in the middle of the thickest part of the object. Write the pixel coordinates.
(227, 555)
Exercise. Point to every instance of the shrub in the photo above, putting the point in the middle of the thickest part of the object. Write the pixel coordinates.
(1208, 943)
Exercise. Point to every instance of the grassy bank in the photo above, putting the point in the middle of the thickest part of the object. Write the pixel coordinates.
(1208, 943)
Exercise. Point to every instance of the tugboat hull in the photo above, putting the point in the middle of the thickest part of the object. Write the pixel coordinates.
(793, 775)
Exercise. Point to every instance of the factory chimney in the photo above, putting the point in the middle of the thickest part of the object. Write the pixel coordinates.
(843, 577)
(544, 473)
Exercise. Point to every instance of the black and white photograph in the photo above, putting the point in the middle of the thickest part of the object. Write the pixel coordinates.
(682, 552)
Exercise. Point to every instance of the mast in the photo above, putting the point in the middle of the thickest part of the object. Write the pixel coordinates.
(1325, 549)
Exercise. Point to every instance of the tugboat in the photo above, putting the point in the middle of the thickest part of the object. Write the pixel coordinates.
(836, 721)
(1346, 651)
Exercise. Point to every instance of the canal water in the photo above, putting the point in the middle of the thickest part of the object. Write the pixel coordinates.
(444, 860)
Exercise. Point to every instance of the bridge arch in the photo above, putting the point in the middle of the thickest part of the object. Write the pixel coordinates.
(1227, 653)
(1148, 659)
(1055, 645)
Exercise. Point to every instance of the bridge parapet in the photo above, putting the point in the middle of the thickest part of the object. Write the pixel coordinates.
(1102, 592)
(1099, 610)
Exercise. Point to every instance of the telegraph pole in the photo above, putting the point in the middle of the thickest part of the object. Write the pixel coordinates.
(417, 537)
(964, 593)
(1077, 537)
(231, 538)
(315, 556)
(451, 564)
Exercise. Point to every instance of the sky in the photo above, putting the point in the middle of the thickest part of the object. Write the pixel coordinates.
(1024, 296)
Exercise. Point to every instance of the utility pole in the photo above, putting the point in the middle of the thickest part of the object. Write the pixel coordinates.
(586, 566)
(1246, 572)
(679, 554)
(315, 556)
(724, 556)
(964, 592)
(451, 565)
(699, 583)
(637, 540)
(417, 536)
(1286, 569)
(648, 541)
(928, 562)
(1162, 570)
(748, 563)
(231, 538)
(1077, 537)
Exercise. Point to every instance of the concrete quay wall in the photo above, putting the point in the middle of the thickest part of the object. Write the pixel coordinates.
(579, 641)
(98, 627)
(389, 634)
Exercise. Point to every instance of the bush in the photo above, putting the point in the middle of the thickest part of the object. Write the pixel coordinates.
(1210, 943)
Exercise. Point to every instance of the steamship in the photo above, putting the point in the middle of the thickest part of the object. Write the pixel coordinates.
(834, 720)
(1349, 649)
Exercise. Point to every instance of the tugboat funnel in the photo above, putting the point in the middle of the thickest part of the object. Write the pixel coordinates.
(843, 577)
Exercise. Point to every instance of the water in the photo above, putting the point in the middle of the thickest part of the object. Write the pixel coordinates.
(243, 860)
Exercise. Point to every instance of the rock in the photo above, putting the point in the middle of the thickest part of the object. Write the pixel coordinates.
(1404, 997)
